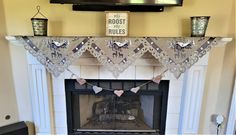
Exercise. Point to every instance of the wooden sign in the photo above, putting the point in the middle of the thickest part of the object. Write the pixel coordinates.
(117, 23)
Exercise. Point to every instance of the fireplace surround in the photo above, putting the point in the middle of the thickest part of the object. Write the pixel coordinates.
(48, 94)
(50, 116)
(105, 113)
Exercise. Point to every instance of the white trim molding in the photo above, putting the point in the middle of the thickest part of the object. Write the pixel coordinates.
(193, 90)
(40, 96)
(231, 125)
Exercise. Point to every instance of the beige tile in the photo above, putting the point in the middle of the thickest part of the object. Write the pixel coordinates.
(129, 73)
(104, 73)
(144, 72)
(89, 72)
(75, 70)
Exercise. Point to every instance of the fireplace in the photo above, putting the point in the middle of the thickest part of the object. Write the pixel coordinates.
(105, 113)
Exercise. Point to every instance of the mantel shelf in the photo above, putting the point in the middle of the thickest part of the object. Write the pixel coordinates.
(176, 54)
(13, 39)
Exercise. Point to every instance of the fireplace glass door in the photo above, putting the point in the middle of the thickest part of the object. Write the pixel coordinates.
(143, 112)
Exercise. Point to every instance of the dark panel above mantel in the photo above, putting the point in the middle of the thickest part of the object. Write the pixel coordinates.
(119, 5)
(131, 8)
(122, 2)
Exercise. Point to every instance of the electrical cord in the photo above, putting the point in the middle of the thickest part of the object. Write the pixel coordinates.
(218, 128)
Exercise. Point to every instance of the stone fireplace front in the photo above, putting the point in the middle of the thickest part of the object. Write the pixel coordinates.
(49, 97)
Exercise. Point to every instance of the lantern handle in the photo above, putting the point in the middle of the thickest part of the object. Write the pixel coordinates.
(38, 12)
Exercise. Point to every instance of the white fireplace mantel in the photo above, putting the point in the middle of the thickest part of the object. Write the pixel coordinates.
(48, 93)
(13, 40)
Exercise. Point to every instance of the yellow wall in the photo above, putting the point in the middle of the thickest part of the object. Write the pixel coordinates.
(173, 22)
(8, 104)
(220, 79)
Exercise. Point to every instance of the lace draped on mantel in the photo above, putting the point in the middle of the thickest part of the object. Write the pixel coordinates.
(116, 53)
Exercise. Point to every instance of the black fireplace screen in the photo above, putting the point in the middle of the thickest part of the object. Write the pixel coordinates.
(144, 112)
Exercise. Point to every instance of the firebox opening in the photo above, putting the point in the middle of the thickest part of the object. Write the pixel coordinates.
(106, 113)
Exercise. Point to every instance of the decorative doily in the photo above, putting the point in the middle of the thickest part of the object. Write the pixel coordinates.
(176, 54)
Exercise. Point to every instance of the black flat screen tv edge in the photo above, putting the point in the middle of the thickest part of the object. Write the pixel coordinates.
(120, 5)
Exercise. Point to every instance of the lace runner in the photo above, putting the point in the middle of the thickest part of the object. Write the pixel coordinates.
(176, 54)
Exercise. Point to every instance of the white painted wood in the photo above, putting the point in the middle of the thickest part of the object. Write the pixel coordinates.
(60, 120)
(174, 105)
(191, 100)
(203, 61)
(171, 132)
(61, 131)
(231, 125)
(172, 122)
(182, 116)
(31, 60)
(12, 39)
(59, 102)
(58, 84)
(40, 98)
(175, 90)
(224, 41)
(40, 95)
(176, 87)
(99, 72)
